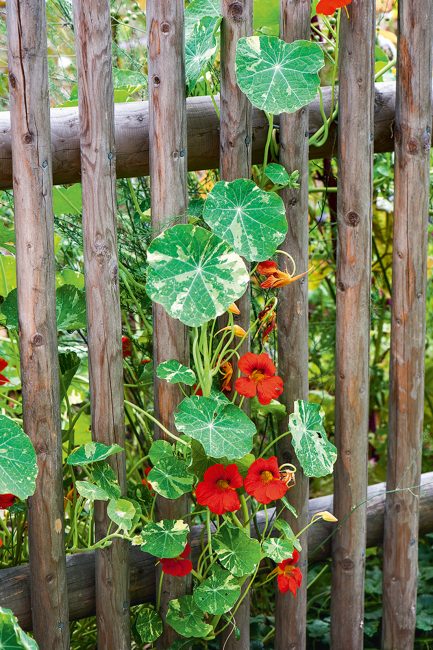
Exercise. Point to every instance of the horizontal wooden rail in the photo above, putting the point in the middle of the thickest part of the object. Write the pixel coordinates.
(15, 582)
(132, 136)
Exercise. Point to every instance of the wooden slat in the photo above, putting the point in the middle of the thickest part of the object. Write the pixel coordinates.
(98, 177)
(132, 136)
(406, 407)
(34, 227)
(235, 162)
(14, 582)
(292, 322)
(355, 178)
(168, 168)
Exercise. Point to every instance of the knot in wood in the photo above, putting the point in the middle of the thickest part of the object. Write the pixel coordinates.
(156, 80)
(347, 564)
(341, 286)
(37, 340)
(235, 11)
(165, 28)
(352, 219)
(12, 80)
(412, 146)
(28, 137)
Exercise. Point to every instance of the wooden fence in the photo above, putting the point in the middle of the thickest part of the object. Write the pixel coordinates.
(165, 137)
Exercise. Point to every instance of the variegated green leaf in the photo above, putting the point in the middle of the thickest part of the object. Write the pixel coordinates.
(249, 219)
(104, 476)
(92, 452)
(160, 449)
(200, 48)
(18, 467)
(91, 491)
(222, 429)
(218, 593)
(122, 512)
(194, 274)
(165, 538)
(237, 552)
(314, 451)
(278, 77)
(277, 548)
(12, 637)
(170, 477)
(198, 9)
(187, 619)
(148, 624)
(175, 372)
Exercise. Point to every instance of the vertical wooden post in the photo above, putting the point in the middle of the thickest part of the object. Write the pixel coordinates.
(34, 227)
(356, 136)
(292, 321)
(235, 162)
(168, 169)
(406, 407)
(98, 177)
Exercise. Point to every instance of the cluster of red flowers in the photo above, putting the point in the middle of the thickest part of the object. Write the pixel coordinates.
(218, 492)
(329, 7)
(260, 378)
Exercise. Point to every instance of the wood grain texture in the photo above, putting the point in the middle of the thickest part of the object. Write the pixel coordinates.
(104, 325)
(406, 406)
(292, 323)
(132, 136)
(235, 162)
(355, 186)
(80, 568)
(168, 169)
(34, 228)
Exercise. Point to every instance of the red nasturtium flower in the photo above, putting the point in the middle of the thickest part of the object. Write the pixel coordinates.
(6, 501)
(260, 378)
(329, 7)
(289, 577)
(263, 480)
(178, 566)
(3, 380)
(144, 480)
(126, 347)
(217, 491)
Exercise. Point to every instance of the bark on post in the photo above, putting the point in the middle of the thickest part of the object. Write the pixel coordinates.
(34, 227)
(104, 325)
(292, 321)
(406, 405)
(168, 169)
(355, 184)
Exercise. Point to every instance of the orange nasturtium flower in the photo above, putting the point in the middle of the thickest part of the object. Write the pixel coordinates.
(275, 278)
(226, 370)
(234, 309)
(263, 481)
(260, 378)
(217, 490)
(289, 577)
(329, 7)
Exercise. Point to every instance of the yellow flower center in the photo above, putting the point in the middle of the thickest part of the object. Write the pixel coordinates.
(223, 484)
(286, 571)
(257, 375)
(267, 476)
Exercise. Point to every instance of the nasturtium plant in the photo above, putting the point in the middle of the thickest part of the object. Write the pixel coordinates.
(251, 220)
(92, 452)
(236, 551)
(104, 477)
(277, 548)
(286, 531)
(200, 48)
(165, 538)
(176, 373)
(91, 491)
(170, 477)
(186, 618)
(199, 9)
(18, 466)
(160, 449)
(276, 76)
(12, 637)
(193, 274)
(314, 451)
(148, 625)
(222, 429)
(218, 593)
(122, 512)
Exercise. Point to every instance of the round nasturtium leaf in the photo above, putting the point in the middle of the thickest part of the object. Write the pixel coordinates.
(218, 593)
(251, 220)
(278, 549)
(200, 48)
(222, 429)
(159, 449)
(278, 77)
(187, 619)
(170, 477)
(12, 637)
(103, 475)
(193, 274)
(91, 491)
(92, 452)
(277, 174)
(18, 466)
(316, 454)
(121, 512)
(237, 552)
(166, 538)
(148, 625)
(175, 372)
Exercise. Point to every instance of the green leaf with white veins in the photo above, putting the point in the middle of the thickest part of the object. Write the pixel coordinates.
(18, 467)
(277, 549)
(148, 625)
(314, 451)
(104, 476)
(198, 9)
(91, 491)
(222, 429)
(193, 274)
(92, 452)
(278, 77)
(218, 593)
(187, 619)
(249, 219)
(175, 372)
(165, 538)
(200, 48)
(122, 512)
(170, 477)
(237, 552)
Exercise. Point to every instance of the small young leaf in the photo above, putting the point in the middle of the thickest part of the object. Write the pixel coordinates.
(160, 449)
(175, 372)
(165, 538)
(91, 491)
(18, 467)
(314, 451)
(218, 593)
(92, 452)
(122, 512)
(186, 618)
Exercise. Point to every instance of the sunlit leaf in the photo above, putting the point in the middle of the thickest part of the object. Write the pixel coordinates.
(92, 452)
(165, 538)
(218, 593)
(170, 477)
(122, 513)
(70, 308)
(176, 373)
(18, 467)
(314, 451)
(237, 552)
(91, 491)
